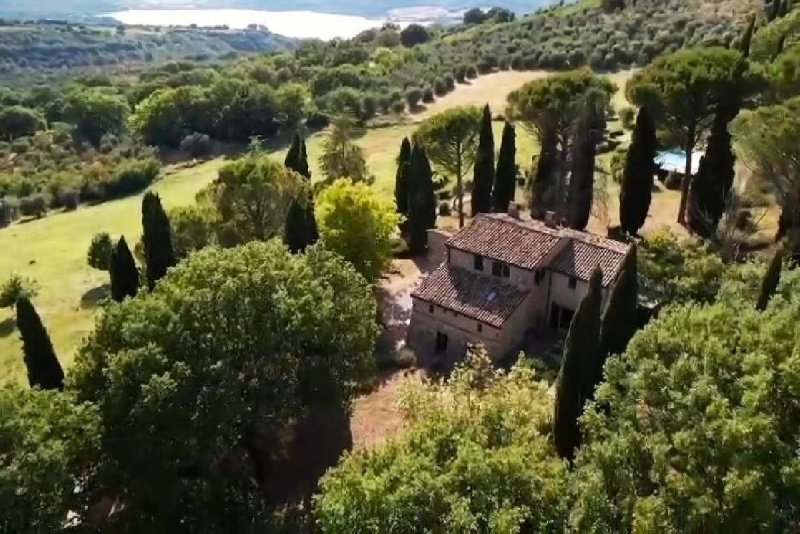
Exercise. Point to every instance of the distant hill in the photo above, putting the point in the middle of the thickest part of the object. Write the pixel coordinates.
(84, 8)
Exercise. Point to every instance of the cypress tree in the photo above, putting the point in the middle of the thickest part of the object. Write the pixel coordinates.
(771, 278)
(714, 179)
(156, 238)
(619, 320)
(581, 185)
(44, 370)
(575, 383)
(484, 167)
(747, 38)
(637, 177)
(505, 181)
(401, 180)
(300, 229)
(422, 200)
(123, 272)
(544, 183)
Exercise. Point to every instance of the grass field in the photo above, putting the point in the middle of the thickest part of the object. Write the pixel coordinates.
(52, 250)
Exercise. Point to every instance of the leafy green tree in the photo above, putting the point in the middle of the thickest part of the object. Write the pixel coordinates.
(156, 239)
(772, 277)
(549, 108)
(477, 456)
(505, 178)
(252, 197)
(422, 200)
(450, 140)
(696, 432)
(484, 166)
(193, 227)
(44, 369)
(357, 223)
(123, 272)
(95, 113)
(414, 34)
(683, 91)
(49, 443)
(620, 318)
(19, 121)
(15, 288)
(99, 254)
(636, 190)
(200, 381)
(402, 179)
(712, 184)
(341, 157)
(575, 382)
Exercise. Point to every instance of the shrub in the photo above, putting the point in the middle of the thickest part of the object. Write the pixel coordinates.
(472, 72)
(70, 200)
(317, 119)
(449, 82)
(427, 95)
(413, 97)
(99, 254)
(460, 73)
(132, 176)
(33, 206)
(398, 106)
(14, 288)
(439, 87)
(197, 145)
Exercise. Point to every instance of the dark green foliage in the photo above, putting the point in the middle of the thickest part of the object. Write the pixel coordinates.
(575, 383)
(300, 230)
(414, 34)
(620, 318)
(401, 182)
(44, 370)
(156, 238)
(484, 166)
(18, 121)
(714, 179)
(544, 182)
(637, 177)
(123, 272)
(747, 38)
(581, 186)
(505, 180)
(99, 254)
(771, 278)
(421, 200)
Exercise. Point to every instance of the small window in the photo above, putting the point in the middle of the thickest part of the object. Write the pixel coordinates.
(506, 271)
(480, 327)
(573, 282)
(477, 261)
(497, 268)
(430, 308)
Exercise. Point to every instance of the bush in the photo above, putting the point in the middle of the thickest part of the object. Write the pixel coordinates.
(317, 119)
(439, 87)
(398, 106)
(33, 206)
(427, 95)
(132, 177)
(472, 72)
(460, 73)
(444, 209)
(99, 253)
(413, 97)
(70, 200)
(14, 288)
(449, 82)
(197, 145)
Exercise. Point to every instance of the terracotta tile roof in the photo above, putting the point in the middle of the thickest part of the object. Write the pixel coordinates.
(531, 244)
(482, 298)
(498, 237)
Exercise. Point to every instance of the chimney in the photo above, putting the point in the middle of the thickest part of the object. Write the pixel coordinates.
(513, 210)
(550, 219)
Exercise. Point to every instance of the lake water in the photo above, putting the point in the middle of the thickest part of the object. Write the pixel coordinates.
(300, 24)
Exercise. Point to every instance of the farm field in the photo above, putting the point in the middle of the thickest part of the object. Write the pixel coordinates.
(52, 250)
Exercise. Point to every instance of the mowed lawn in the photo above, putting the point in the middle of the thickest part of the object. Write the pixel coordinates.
(52, 251)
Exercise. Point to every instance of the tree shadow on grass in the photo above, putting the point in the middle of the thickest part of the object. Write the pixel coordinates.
(94, 296)
(7, 326)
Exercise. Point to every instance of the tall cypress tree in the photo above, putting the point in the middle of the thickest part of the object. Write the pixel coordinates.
(159, 254)
(714, 179)
(421, 201)
(123, 272)
(637, 177)
(401, 181)
(300, 228)
(44, 370)
(581, 184)
(575, 382)
(505, 181)
(484, 166)
(747, 38)
(544, 182)
(771, 278)
(620, 317)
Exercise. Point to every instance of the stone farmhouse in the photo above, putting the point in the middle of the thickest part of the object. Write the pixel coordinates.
(504, 278)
